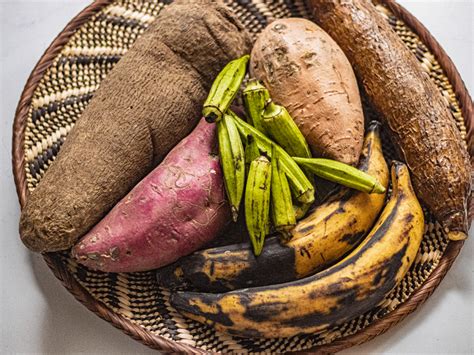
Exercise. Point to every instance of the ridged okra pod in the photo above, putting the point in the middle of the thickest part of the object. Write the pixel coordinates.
(282, 129)
(282, 212)
(341, 173)
(251, 152)
(224, 89)
(232, 156)
(255, 96)
(299, 183)
(257, 202)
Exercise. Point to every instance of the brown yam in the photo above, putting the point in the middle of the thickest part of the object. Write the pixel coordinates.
(413, 109)
(149, 102)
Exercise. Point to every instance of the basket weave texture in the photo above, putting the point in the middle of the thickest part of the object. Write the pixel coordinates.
(64, 82)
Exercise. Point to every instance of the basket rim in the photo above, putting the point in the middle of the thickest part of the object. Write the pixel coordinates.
(157, 342)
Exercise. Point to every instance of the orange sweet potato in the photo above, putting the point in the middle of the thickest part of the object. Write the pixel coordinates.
(307, 72)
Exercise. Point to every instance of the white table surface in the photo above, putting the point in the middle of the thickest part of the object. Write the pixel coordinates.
(37, 315)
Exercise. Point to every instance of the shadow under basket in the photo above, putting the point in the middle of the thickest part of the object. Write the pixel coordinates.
(63, 83)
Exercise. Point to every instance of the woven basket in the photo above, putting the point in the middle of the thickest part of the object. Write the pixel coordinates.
(63, 83)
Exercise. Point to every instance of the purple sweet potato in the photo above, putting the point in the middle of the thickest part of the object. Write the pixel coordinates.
(173, 211)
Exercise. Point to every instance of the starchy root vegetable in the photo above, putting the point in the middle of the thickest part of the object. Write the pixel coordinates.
(173, 211)
(418, 119)
(149, 102)
(307, 73)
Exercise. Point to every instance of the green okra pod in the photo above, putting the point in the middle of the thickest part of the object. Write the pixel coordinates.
(282, 129)
(251, 151)
(232, 156)
(255, 96)
(300, 209)
(298, 181)
(224, 89)
(341, 173)
(257, 202)
(282, 212)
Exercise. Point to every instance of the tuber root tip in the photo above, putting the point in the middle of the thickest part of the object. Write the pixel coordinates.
(456, 235)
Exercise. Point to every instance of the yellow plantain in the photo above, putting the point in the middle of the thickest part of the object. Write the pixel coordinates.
(336, 295)
(329, 232)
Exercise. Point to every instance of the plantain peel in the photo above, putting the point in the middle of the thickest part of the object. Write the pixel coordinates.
(338, 294)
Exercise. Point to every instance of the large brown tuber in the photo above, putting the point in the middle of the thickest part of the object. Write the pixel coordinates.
(149, 102)
(413, 109)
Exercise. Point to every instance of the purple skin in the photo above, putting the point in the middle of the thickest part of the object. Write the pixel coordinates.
(173, 211)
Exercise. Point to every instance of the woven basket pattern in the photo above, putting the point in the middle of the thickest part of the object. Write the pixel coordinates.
(67, 87)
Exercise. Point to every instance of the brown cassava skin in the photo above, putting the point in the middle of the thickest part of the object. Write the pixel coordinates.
(413, 109)
(307, 72)
(148, 103)
(173, 211)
